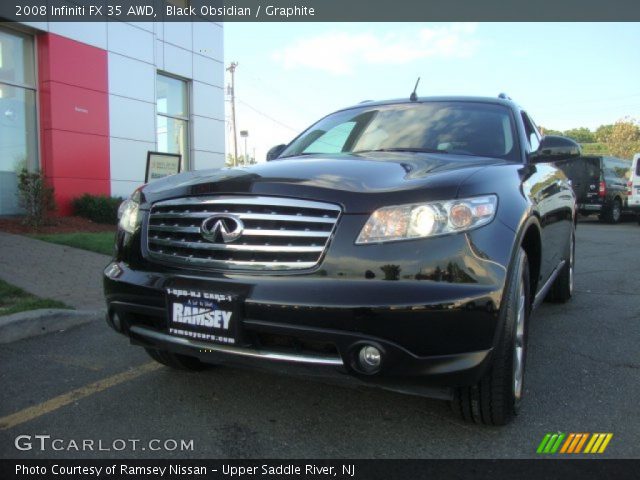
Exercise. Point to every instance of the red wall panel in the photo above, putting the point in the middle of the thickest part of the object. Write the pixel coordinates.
(76, 109)
(77, 155)
(73, 63)
(74, 118)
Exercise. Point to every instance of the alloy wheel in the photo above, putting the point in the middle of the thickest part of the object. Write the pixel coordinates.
(519, 346)
(616, 212)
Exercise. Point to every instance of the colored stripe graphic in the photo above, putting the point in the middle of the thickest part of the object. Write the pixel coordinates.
(581, 443)
(604, 445)
(567, 443)
(591, 442)
(598, 443)
(577, 438)
(574, 443)
(543, 443)
(550, 443)
(555, 447)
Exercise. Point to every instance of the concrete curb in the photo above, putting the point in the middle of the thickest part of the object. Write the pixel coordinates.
(40, 322)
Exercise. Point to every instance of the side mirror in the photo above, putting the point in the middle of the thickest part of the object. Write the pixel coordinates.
(275, 152)
(554, 148)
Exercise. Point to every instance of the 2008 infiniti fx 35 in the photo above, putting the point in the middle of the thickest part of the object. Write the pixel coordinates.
(401, 244)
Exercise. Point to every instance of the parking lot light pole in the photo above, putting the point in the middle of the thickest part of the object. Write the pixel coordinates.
(244, 134)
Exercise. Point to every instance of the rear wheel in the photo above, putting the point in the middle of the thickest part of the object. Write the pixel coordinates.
(495, 400)
(177, 361)
(562, 288)
(613, 213)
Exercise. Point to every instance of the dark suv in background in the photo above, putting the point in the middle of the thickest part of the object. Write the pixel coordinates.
(600, 184)
(399, 244)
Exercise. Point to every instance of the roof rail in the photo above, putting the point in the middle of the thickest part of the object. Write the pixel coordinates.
(365, 101)
(504, 96)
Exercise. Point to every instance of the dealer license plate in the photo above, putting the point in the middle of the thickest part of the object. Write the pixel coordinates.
(207, 316)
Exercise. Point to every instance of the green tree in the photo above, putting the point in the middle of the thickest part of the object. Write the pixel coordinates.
(603, 132)
(624, 139)
(549, 131)
(581, 135)
(36, 196)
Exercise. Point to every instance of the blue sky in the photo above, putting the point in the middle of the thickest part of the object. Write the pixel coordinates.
(564, 74)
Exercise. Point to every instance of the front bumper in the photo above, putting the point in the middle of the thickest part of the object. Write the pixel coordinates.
(432, 336)
(465, 367)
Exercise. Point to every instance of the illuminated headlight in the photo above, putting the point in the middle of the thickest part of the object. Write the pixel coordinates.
(129, 215)
(404, 222)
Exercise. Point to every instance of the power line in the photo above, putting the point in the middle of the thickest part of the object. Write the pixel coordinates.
(598, 100)
(297, 130)
(261, 84)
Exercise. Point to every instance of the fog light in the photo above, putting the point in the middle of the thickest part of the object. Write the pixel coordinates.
(369, 358)
(113, 270)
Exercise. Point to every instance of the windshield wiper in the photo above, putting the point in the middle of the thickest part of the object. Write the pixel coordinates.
(301, 154)
(403, 149)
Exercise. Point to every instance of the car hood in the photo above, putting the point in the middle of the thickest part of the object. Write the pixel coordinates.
(360, 183)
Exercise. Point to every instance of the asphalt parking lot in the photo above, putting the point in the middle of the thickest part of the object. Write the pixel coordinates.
(583, 376)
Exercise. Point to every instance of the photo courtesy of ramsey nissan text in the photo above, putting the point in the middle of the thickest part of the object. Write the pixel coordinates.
(319, 239)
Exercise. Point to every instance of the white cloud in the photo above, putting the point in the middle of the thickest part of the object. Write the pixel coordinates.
(340, 52)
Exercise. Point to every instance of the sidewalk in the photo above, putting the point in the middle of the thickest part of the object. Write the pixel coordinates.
(62, 273)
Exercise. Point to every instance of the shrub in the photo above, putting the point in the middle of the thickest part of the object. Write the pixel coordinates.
(35, 196)
(97, 208)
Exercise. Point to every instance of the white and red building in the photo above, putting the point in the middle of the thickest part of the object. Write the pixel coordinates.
(85, 102)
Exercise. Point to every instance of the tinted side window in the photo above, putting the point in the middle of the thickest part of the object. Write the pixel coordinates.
(614, 167)
(533, 137)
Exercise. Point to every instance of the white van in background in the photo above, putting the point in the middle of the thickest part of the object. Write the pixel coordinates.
(634, 186)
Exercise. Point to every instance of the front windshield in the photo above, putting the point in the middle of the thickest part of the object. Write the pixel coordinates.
(465, 128)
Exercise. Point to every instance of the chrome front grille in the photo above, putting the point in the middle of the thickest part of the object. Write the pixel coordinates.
(279, 233)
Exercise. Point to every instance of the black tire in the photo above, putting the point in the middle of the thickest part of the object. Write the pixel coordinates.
(177, 361)
(613, 213)
(495, 399)
(562, 288)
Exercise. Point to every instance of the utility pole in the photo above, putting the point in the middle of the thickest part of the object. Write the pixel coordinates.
(232, 69)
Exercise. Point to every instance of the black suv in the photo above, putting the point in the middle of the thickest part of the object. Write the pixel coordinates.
(600, 184)
(400, 244)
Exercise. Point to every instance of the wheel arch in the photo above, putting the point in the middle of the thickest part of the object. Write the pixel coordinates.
(531, 243)
(621, 198)
(529, 238)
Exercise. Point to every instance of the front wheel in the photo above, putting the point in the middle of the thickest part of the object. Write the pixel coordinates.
(495, 400)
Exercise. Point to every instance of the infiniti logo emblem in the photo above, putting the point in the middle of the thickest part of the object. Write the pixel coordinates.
(222, 228)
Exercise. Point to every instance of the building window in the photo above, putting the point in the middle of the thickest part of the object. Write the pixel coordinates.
(173, 117)
(18, 124)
